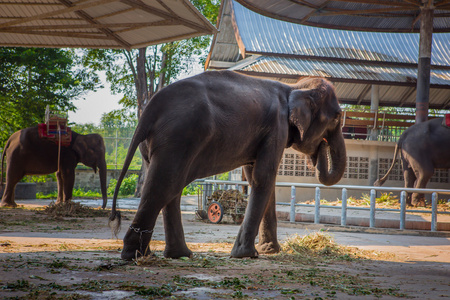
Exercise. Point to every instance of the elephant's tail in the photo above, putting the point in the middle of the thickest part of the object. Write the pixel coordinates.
(115, 217)
(383, 179)
(3, 159)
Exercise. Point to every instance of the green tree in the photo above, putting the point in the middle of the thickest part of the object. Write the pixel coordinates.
(32, 78)
(138, 74)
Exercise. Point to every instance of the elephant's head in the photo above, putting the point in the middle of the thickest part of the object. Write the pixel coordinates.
(315, 127)
(90, 149)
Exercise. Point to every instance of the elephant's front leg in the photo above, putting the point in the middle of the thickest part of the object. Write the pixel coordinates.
(263, 185)
(68, 181)
(268, 240)
(175, 242)
(60, 182)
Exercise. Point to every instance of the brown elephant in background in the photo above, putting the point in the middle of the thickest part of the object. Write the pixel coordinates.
(218, 121)
(28, 154)
(423, 147)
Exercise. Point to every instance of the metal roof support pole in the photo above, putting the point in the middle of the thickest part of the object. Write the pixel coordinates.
(292, 211)
(374, 103)
(373, 154)
(423, 72)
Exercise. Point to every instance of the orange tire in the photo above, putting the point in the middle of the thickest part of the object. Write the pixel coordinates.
(215, 212)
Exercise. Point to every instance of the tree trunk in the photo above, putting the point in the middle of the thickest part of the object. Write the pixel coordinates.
(142, 100)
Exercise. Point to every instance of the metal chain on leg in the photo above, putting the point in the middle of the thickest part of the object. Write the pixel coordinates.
(140, 232)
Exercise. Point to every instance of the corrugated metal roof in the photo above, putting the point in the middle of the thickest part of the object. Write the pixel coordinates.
(98, 23)
(363, 15)
(298, 67)
(353, 70)
(261, 34)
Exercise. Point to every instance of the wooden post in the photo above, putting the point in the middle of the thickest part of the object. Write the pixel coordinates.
(423, 72)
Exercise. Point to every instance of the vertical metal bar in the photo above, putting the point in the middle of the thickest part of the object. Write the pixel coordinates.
(402, 210)
(434, 200)
(372, 208)
(204, 194)
(317, 207)
(292, 216)
(344, 208)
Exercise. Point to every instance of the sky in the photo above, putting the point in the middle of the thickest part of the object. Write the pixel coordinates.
(91, 108)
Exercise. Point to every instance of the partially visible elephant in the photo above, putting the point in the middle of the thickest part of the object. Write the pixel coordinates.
(28, 154)
(218, 121)
(423, 147)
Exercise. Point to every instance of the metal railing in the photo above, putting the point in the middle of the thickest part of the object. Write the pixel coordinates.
(344, 208)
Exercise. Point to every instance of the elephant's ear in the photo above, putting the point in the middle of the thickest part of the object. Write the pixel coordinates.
(80, 147)
(302, 107)
(85, 154)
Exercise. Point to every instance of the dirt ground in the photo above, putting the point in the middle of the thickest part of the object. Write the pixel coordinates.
(44, 256)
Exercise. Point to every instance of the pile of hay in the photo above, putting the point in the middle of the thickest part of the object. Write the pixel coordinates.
(230, 199)
(73, 209)
(321, 246)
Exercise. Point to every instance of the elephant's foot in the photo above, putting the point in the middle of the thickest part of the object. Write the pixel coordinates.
(136, 243)
(130, 253)
(268, 247)
(242, 251)
(419, 203)
(8, 204)
(178, 253)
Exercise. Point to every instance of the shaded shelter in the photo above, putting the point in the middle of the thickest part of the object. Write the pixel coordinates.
(119, 24)
(358, 63)
(423, 16)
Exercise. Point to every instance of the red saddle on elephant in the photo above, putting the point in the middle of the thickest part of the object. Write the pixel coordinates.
(447, 120)
(52, 135)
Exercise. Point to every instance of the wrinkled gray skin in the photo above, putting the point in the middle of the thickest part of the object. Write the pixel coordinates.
(218, 121)
(423, 147)
(27, 154)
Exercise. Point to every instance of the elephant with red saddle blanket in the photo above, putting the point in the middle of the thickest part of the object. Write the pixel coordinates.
(27, 153)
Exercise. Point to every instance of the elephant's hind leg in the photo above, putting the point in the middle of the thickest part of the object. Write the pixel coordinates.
(9, 188)
(410, 179)
(162, 185)
(418, 199)
(175, 242)
(8, 195)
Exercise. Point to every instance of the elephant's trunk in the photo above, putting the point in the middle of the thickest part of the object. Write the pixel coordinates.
(331, 159)
(102, 174)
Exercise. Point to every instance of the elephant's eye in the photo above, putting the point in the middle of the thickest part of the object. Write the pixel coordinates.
(337, 118)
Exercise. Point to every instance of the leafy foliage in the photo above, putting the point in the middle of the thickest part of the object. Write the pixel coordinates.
(164, 63)
(126, 188)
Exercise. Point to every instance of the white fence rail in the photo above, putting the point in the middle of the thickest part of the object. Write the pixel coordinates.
(344, 208)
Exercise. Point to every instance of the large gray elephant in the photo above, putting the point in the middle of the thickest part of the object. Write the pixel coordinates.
(218, 121)
(423, 147)
(28, 154)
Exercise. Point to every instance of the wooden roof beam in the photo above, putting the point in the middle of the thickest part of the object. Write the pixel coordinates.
(106, 31)
(55, 13)
(163, 14)
(25, 29)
